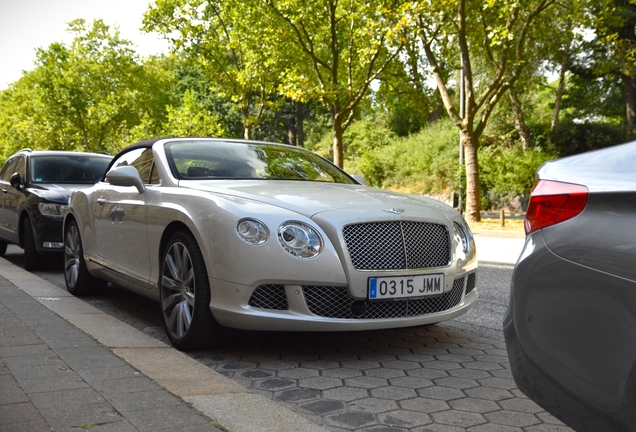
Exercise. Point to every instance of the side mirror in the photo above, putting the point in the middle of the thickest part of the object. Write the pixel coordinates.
(125, 176)
(16, 181)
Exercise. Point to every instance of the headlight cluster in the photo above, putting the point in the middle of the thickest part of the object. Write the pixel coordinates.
(462, 235)
(52, 210)
(297, 238)
(252, 231)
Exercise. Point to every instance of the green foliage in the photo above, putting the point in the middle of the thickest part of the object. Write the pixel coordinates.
(83, 97)
(508, 173)
(573, 138)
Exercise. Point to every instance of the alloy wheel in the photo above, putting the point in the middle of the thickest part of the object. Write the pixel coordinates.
(178, 290)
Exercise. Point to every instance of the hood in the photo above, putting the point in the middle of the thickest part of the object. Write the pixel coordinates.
(314, 198)
(57, 192)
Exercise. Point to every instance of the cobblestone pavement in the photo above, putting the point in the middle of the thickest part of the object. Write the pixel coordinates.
(428, 378)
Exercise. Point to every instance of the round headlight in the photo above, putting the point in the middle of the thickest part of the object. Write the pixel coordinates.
(299, 239)
(462, 235)
(252, 231)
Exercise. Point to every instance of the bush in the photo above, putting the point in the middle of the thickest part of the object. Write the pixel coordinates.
(507, 175)
(574, 138)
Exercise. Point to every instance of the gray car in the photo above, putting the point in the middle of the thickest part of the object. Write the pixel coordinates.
(570, 327)
(261, 236)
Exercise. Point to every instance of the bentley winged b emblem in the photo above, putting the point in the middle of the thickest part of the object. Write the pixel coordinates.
(394, 210)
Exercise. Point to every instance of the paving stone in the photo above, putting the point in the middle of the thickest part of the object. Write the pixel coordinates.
(255, 374)
(474, 405)
(495, 428)
(411, 382)
(361, 364)
(297, 395)
(522, 405)
(351, 419)
(472, 374)
(373, 405)
(320, 364)
(320, 383)
(456, 358)
(457, 383)
(17, 413)
(501, 383)
(274, 384)
(458, 418)
(366, 382)
(427, 373)
(488, 393)
(341, 373)
(385, 373)
(401, 365)
(298, 373)
(323, 407)
(346, 394)
(442, 393)
(171, 417)
(512, 418)
(393, 393)
(442, 365)
(60, 399)
(424, 405)
(480, 365)
(278, 365)
(404, 419)
(11, 392)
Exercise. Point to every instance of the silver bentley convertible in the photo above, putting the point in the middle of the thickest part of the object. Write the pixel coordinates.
(261, 236)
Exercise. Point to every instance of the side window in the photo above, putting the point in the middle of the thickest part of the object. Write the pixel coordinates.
(20, 167)
(154, 175)
(142, 160)
(8, 169)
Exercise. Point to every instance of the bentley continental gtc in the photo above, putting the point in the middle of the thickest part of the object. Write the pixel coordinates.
(228, 233)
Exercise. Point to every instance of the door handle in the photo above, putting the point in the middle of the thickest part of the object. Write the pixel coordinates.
(101, 201)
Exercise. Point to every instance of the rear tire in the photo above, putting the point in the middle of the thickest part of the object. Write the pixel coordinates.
(32, 259)
(79, 281)
(185, 296)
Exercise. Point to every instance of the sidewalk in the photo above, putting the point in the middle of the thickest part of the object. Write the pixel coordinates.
(54, 376)
(67, 366)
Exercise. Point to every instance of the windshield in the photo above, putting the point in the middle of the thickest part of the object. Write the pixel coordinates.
(72, 168)
(222, 160)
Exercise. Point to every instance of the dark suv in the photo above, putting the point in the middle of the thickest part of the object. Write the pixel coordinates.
(35, 187)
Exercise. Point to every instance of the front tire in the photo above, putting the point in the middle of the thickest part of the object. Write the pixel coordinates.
(185, 296)
(79, 281)
(32, 259)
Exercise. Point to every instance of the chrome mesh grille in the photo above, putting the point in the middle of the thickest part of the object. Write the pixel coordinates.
(471, 283)
(397, 245)
(269, 297)
(335, 302)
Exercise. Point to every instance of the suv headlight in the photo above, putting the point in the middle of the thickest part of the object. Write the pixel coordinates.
(52, 210)
(299, 239)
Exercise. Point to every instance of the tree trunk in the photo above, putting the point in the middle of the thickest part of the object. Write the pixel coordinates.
(247, 132)
(520, 123)
(338, 151)
(473, 189)
(629, 83)
(558, 99)
(300, 124)
(290, 125)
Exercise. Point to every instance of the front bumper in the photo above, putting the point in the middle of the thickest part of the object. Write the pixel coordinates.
(300, 313)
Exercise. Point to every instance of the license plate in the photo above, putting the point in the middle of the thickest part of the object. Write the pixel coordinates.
(405, 287)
